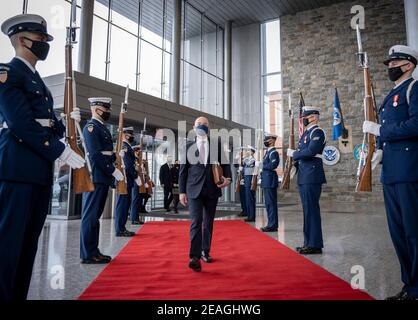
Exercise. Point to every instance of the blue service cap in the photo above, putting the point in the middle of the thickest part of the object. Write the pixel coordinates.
(308, 110)
(26, 22)
(268, 136)
(400, 52)
(251, 148)
(101, 102)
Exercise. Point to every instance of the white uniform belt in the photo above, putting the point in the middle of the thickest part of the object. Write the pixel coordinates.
(107, 153)
(47, 123)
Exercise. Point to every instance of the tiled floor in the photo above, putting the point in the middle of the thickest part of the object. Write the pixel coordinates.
(354, 235)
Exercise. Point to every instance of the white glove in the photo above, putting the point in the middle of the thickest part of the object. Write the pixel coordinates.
(76, 115)
(138, 181)
(71, 158)
(122, 153)
(242, 182)
(372, 128)
(377, 158)
(240, 169)
(257, 164)
(146, 185)
(290, 153)
(118, 175)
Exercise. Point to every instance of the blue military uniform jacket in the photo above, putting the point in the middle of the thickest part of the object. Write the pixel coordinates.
(271, 161)
(129, 162)
(249, 165)
(98, 141)
(399, 135)
(27, 149)
(309, 165)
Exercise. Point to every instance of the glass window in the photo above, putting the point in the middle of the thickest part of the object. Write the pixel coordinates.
(101, 8)
(192, 82)
(98, 48)
(272, 47)
(123, 58)
(152, 21)
(168, 26)
(13, 8)
(220, 53)
(125, 14)
(166, 76)
(220, 98)
(57, 16)
(150, 69)
(273, 83)
(209, 45)
(209, 94)
(192, 36)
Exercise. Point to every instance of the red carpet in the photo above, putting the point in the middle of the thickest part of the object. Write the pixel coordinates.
(249, 265)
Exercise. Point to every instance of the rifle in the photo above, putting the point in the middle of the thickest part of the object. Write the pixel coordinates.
(121, 187)
(139, 167)
(258, 156)
(364, 172)
(289, 161)
(147, 180)
(82, 181)
(240, 175)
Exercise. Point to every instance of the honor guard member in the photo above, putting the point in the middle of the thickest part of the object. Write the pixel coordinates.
(240, 170)
(270, 182)
(398, 150)
(248, 169)
(124, 201)
(30, 142)
(311, 176)
(100, 151)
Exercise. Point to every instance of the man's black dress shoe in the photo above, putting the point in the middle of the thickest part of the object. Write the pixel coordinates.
(99, 259)
(249, 220)
(242, 214)
(125, 233)
(308, 250)
(137, 222)
(207, 258)
(300, 248)
(268, 229)
(195, 265)
(403, 295)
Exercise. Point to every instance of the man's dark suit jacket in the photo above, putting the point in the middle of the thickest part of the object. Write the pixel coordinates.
(193, 177)
(165, 176)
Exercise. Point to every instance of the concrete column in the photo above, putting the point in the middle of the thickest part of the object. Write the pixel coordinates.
(228, 71)
(411, 19)
(86, 31)
(176, 55)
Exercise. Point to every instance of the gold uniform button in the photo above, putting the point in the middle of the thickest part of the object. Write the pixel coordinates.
(20, 140)
(46, 143)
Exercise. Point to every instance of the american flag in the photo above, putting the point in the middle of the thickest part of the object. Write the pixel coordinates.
(301, 105)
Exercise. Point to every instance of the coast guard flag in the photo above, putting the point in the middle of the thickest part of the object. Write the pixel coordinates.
(338, 124)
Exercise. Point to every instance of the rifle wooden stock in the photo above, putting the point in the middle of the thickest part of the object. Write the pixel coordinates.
(121, 187)
(365, 180)
(148, 180)
(139, 170)
(258, 157)
(239, 177)
(285, 185)
(81, 178)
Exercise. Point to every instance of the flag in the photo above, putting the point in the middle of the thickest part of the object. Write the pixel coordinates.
(301, 105)
(337, 114)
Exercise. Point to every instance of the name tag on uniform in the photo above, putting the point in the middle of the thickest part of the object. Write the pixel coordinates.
(315, 139)
(395, 100)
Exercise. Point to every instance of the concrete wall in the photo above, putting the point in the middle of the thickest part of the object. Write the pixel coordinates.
(246, 76)
(318, 49)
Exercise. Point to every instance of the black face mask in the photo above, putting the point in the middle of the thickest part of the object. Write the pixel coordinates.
(39, 48)
(131, 140)
(267, 144)
(395, 73)
(105, 115)
(306, 122)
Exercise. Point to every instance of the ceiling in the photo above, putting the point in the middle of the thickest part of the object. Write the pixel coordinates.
(241, 12)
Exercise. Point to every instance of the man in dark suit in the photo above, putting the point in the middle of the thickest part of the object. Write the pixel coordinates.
(198, 189)
(174, 171)
(166, 182)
